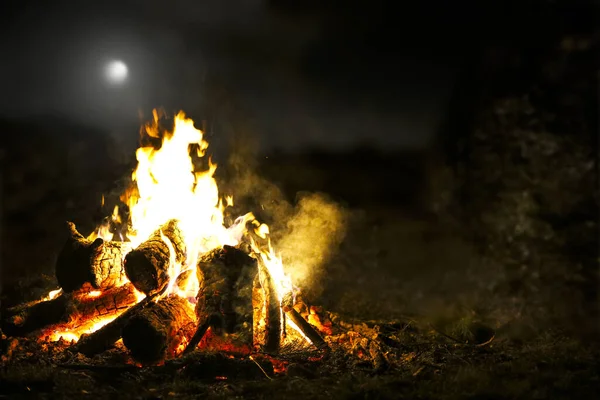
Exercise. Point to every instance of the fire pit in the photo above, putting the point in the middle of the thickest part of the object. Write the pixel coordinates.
(169, 277)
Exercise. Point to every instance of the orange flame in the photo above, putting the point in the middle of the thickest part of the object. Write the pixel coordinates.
(166, 186)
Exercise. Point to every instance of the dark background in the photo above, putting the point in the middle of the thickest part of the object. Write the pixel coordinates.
(312, 73)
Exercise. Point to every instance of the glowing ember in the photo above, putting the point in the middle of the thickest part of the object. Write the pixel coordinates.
(74, 334)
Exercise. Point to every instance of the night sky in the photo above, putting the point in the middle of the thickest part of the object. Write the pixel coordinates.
(317, 73)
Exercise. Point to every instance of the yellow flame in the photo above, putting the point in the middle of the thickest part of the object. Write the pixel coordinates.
(74, 334)
(167, 185)
(52, 295)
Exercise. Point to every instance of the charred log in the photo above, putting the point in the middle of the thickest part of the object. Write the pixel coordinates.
(107, 263)
(27, 318)
(84, 261)
(87, 307)
(156, 332)
(225, 278)
(68, 311)
(267, 313)
(105, 337)
(147, 266)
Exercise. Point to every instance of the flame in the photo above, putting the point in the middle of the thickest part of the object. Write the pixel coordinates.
(74, 334)
(167, 185)
(52, 295)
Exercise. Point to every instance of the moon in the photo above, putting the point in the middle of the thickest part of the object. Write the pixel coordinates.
(116, 72)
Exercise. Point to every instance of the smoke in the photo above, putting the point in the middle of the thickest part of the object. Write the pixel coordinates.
(305, 233)
(313, 234)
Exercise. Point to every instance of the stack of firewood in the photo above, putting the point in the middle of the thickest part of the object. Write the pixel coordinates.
(102, 280)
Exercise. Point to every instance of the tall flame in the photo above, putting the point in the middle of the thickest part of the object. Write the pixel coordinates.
(167, 186)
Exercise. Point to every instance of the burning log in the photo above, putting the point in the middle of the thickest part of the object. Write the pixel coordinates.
(225, 281)
(30, 317)
(156, 332)
(94, 306)
(68, 311)
(107, 263)
(84, 261)
(147, 267)
(224, 278)
(267, 313)
(105, 337)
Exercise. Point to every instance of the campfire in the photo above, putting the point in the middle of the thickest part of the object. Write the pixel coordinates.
(171, 274)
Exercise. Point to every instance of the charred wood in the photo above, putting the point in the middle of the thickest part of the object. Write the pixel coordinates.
(105, 337)
(87, 307)
(27, 318)
(147, 266)
(158, 331)
(225, 278)
(69, 310)
(84, 261)
(267, 313)
(107, 263)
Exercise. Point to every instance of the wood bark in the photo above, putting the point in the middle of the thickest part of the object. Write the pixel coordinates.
(87, 308)
(225, 278)
(147, 266)
(267, 313)
(159, 331)
(27, 318)
(97, 262)
(107, 263)
(105, 337)
(68, 311)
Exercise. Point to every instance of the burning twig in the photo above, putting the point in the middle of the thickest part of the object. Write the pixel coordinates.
(82, 261)
(147, 267)
(30, 317)
(261, 368)
(303, 325)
